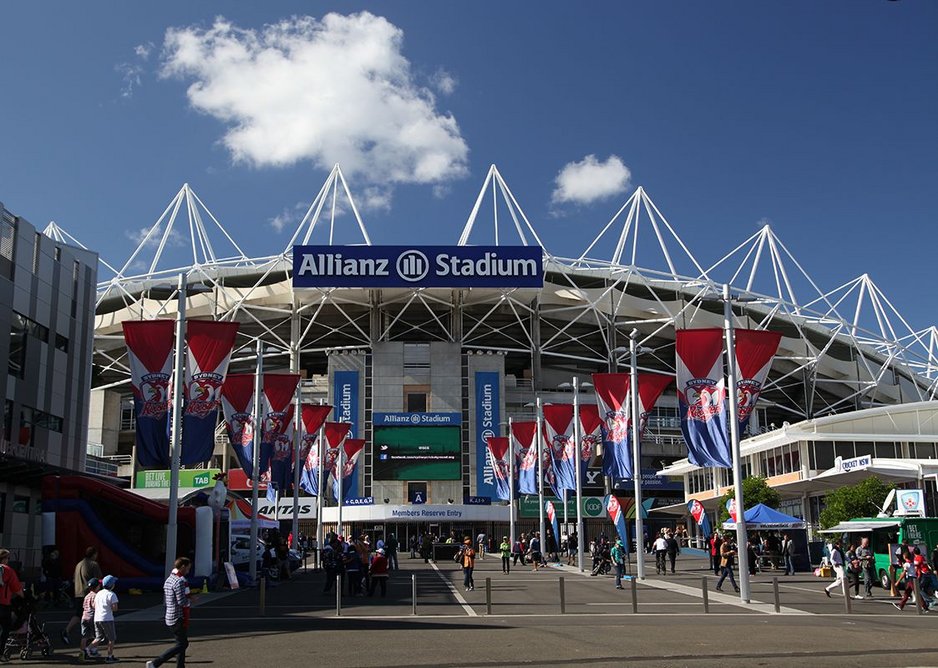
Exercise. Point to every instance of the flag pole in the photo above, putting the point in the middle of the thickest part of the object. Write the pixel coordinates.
(742, 538)
(636, 457)
(319, 483)
(579, 478)
(511, 486)
(540, 472)
(339, 473)
(297, 417)
(176, 428)
(256, 458)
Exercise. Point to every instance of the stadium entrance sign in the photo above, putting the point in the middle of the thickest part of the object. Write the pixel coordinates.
(418, 267)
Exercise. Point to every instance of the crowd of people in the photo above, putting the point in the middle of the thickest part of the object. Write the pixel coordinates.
(357, 564)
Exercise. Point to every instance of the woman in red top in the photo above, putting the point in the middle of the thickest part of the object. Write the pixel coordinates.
(379, 573)
(10, 586)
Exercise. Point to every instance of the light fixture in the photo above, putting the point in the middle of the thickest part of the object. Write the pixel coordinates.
(449, 501)
(387, 500)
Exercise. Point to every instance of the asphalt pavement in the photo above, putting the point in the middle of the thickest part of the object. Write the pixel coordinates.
(518, 619)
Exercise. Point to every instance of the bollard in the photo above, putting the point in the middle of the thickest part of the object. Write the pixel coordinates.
(563, 597)
(262, 603)
(919, 602)
(338, 595)
(845, 588)
(706, 594)
(634, 596)
(778, 604)
(413, 593)
(488, 596)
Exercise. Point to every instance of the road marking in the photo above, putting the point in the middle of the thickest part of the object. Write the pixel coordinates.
(454, 591)
(655, 603)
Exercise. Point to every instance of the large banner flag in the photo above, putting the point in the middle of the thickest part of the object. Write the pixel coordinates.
(312, 418)
(700, 517)
(590, 437)
(558, 434)
(755, 350)
(150, 354)
(617, 515)
(353, 448)
(237, 401)
(335, 434)
(525, 448)
(701, 392)
(500, 451)
(277, 434)
(612, 393)
(209, 345)
(552, 518)
(731, 508)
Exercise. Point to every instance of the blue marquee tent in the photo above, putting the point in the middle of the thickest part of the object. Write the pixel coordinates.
(761, 517)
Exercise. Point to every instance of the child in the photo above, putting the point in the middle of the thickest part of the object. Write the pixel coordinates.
(87, 620)
(105, 605)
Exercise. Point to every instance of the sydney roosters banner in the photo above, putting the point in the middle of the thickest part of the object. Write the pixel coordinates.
(552, 518)
(525, 448)
(237, 402)
(558, 434)
(700, 516)
(209, 347)
(335, 434)
(277, 435)
(617, 515)
(701, 392)
(612, 395)
(352, 450)
(499, 453)
(150, 354)
(312, 417)
(590, 437)
(755, 350)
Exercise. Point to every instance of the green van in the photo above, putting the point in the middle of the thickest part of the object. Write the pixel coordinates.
(884, 533)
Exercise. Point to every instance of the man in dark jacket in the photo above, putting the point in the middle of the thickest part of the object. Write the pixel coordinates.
(673, 549)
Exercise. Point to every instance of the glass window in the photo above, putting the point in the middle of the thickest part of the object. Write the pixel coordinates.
(17, 359)
(26, 426)
(863, 448)
(36, 250)
(7, 244)
(416, 402)
(7, 419)
(61, 343)
(824, 455)
(128, 419)
(845, 449)
(886, 450)
(923, 450)
(47, 421)
(20, 504)
(795, 457)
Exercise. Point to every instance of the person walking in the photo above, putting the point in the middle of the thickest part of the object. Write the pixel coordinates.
(379, 573)
(85, 569)
(87, 622)
(573, 546)
(715, 542)
(390, 551)
(661, 550)
(837, 561)
(505, 550)
(10, 588)
(105, 605)
(852, 571)
(467, 558)
(176, 600)
(867, 565)
(534, 549)
(674, 549)
(788, 554)
(618, 560)
(481, 542)
(727, 559)
(908, 581)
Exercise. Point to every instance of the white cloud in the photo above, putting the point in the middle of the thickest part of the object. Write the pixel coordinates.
(335, 90)
(175, 239)
(143, 51)
(290, 216)
(444, 82)
(132, 72)
(590, 180)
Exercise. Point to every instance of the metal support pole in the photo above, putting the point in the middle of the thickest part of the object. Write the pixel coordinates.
(705, 593)
(540, 471)
(636, 456)
(778, 604)
(581, 556)
(634, 589)
(176, 428)
(845, 589)
(258, 426)
(338, 595)
(488, 596)
(339, 470)
(742, 537)
(511, 486)
(413, 593)
(319, 484)
(297, 416)
(262, 601)
(563, 597)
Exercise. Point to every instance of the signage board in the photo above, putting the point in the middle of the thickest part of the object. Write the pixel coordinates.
(593, 506)
(418, 267)
(487, 409)
(415, 419)
(345, 399)
(853, 464)
(417, 453)
(187, 478)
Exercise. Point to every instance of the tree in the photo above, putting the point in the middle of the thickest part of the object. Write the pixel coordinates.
(865, 499)
(755, 491)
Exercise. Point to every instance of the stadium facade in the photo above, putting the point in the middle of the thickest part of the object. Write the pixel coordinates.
(468, 359)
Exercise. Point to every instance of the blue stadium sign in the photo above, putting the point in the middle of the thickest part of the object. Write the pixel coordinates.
(416, 419)
(418, 267)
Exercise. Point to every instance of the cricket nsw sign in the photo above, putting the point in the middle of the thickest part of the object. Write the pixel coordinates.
(418, 267)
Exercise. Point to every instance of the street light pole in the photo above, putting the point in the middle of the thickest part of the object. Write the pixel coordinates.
(297, 422)
(256, 458)
(742, 538)
(511, 486)
(579, 478)
(319, 484)
(176, 427)
(636, 456)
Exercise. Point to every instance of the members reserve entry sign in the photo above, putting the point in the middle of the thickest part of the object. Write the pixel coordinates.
(418, 267)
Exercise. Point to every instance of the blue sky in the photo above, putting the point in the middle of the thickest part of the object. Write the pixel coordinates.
(819, 117)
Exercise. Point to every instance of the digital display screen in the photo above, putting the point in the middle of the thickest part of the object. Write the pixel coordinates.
(417, 453)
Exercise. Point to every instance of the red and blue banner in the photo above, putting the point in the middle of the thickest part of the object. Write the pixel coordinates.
(352, 450)
(617, 515)
(525, 449)
(552, 518)
(590, 437)
(209, 345)
(558, 434)
(731, 508)
(701, 392)
(499, 452)
(277, 435)
(612, 395)
(755, 350)
(150, 355)
(312, 417)
(335, 434)
(700, 517)
(237, 401)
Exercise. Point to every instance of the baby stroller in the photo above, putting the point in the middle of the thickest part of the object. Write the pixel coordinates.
(28, 635)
